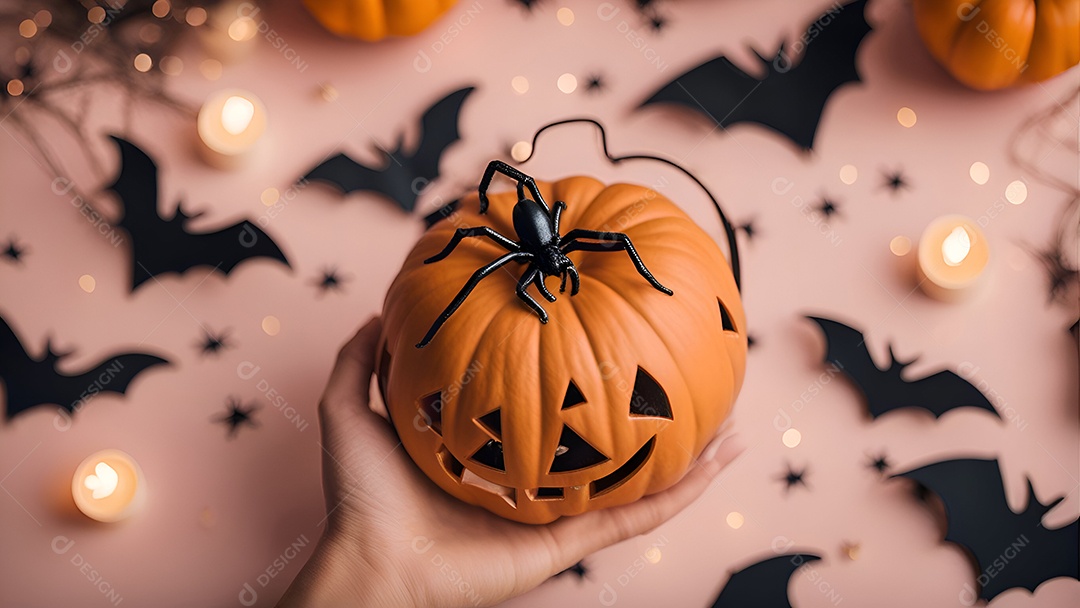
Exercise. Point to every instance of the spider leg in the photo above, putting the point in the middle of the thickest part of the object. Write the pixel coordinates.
(562, 282)
(462, 233)
(539, 280)
(575, 280)
(560, 206)
(528, 277)
(467, 289)
(524, 181)
(621, 242)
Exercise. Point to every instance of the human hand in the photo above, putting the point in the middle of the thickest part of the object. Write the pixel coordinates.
(386, 521)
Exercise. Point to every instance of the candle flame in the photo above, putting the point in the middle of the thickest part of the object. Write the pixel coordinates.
(103, 481)
(956, 247)
(236, 114)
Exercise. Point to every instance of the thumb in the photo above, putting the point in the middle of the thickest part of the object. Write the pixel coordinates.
(346, 399)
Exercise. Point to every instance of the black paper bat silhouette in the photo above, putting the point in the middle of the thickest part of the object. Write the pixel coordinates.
(31, 381)
(402, 176)
(763, 584)
(1010, 549)
(885, 389)
(160, 245)
(791, 95)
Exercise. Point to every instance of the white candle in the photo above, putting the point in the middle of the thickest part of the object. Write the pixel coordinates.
(230, 125)
(108, 486)
(952, 258)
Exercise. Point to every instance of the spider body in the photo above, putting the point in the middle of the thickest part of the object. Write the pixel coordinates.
(538, 234)
(539, 245)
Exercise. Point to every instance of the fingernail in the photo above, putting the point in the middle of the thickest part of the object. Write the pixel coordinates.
(714, 446)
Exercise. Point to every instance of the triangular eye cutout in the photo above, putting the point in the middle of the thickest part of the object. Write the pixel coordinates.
(492, 422)
(574, 453)
(573, 396)
(431, 411)
(648, 398)
(725, 317)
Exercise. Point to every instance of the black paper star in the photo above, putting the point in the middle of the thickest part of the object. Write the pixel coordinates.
(578, 569)
(330, 280)
(750, 341)
(896, 181)
(213, 343)
(594, 84)
(657, 23)
(793, 478)
(238, 414)
(13, 251)
(827, 208)
(880, 463)
(749, 229)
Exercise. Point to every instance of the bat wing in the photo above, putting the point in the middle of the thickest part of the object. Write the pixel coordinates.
(159, 245)
(342, 171)
(715, 88)
(439, 127)
(791, 96)
(846, 349)
(945, 391)
(1010, 549)
(136, 185)
(763, 584)
(224, 249)
(177, 250)
(12, 354)
(15, 368)
(112, 375)
(405, 175)
(826, 63)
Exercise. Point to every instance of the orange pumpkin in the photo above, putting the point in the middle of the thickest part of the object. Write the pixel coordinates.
(373, 20)
(992, 44)
(609, 401)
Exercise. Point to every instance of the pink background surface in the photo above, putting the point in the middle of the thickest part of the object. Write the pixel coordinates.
(220, 511)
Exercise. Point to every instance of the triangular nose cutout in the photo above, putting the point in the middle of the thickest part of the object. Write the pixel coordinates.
(577, 455)
(492, 422)
(573, 396)
(648, 397)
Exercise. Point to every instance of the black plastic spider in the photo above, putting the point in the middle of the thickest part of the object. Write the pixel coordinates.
(541, 246)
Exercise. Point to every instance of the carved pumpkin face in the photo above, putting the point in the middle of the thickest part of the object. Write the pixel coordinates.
(609, 401)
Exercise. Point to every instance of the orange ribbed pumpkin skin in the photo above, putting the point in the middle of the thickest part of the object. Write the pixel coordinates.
(373, 20)
(993, 44)
(494, 353)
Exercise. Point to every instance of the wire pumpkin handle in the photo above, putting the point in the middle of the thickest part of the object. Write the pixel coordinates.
(729, 230)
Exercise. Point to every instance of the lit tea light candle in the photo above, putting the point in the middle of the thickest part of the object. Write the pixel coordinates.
(108, 486)
(953, 253)
(230, 125)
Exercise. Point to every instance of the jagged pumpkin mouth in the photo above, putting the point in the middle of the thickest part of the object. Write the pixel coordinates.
(597, 488)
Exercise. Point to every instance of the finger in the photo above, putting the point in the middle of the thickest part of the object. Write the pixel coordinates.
(584, 534)
(346, 393)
